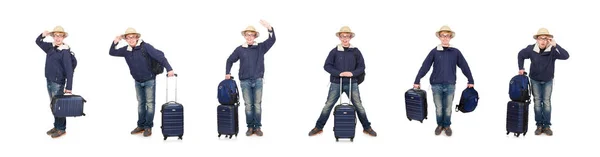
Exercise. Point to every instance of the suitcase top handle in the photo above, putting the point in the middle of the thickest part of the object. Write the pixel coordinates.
(349, 89)
(167, 89)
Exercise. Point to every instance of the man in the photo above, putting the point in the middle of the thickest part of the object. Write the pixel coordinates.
(344, 61)
(252, 68)
(59, 71)
(543, 54)
(444, 59)
(138, 55)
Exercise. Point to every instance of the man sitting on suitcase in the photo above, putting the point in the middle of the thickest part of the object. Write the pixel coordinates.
(543, 55)
(338, 66)
(59, 71)
(443, 78)
(139, 66)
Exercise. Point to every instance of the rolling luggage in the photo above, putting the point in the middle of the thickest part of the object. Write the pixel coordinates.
(227, 120)
(67, 105)
(517, 116)
(416, 104)
(344, 122)
(172, 116)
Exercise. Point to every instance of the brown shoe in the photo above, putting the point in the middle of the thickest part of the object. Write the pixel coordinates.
(249, 132)
(147, 132)
(58, 134)
(315, 131)
(137, 130)
(258, 132)
(51, 131)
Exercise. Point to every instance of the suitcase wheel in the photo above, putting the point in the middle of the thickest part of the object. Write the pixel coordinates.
(524, 133)
(180, 137)
(235, 135)
(507, 133)
(421, 121)
(219, 135)
(230, 136)
(352, 139)
(517, 134)
(337, 139)
(165, 138)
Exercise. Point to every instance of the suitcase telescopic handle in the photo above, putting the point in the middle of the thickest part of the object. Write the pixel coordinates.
(350, 89)
(167, 92)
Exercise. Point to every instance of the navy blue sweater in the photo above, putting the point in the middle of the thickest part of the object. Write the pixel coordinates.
(139, 67)
(59, 68)
(252, 58)
(350, 59)
(542, 64)
(444, 66)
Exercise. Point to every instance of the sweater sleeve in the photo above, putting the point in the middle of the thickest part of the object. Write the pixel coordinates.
(68, 67)
(267, 44)
(116, 52)
(561, 53)
(157, 55)
(43, 45)
(464, 67)
(523, 54)
(425, 67)
(360, 64)
(234, 57)
(330, 64)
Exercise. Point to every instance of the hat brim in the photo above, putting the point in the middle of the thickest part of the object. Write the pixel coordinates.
(537, 35)
(244, 32)
(138, 34)
(437, 34)
(52, 33)
(338, 34)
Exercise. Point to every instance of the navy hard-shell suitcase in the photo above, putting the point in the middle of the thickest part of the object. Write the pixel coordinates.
(172, 117)
(67, 105)
(416, 104)
(517, 116)
(344, 122)
(227, 120)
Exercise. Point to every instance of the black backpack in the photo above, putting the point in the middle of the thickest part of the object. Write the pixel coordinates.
(360, 77)
(73, 60)
(155, 66)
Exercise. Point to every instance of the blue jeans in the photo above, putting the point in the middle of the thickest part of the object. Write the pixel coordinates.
(145, 95)
(443, 95)
(542, 91)
(332, 98)
(252, 94)
(60, 123)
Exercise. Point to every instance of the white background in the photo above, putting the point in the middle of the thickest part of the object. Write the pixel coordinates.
(198, 36)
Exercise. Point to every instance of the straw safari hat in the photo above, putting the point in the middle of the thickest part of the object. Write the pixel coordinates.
(58, 29)
(445, 28)
(345, 29)
(131, 31)
(250, 29)
(542, 31)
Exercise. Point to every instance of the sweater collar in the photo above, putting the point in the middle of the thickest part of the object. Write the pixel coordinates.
(129, 48)
(341, 48)
(441, 48)
(536, 48)
(245, 45)
(61, 47)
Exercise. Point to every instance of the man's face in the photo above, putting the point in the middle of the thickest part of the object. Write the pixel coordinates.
(131, 39)
(543, 41)
(250, 36)
(345, 39)
(58, 38)
(445, 38)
